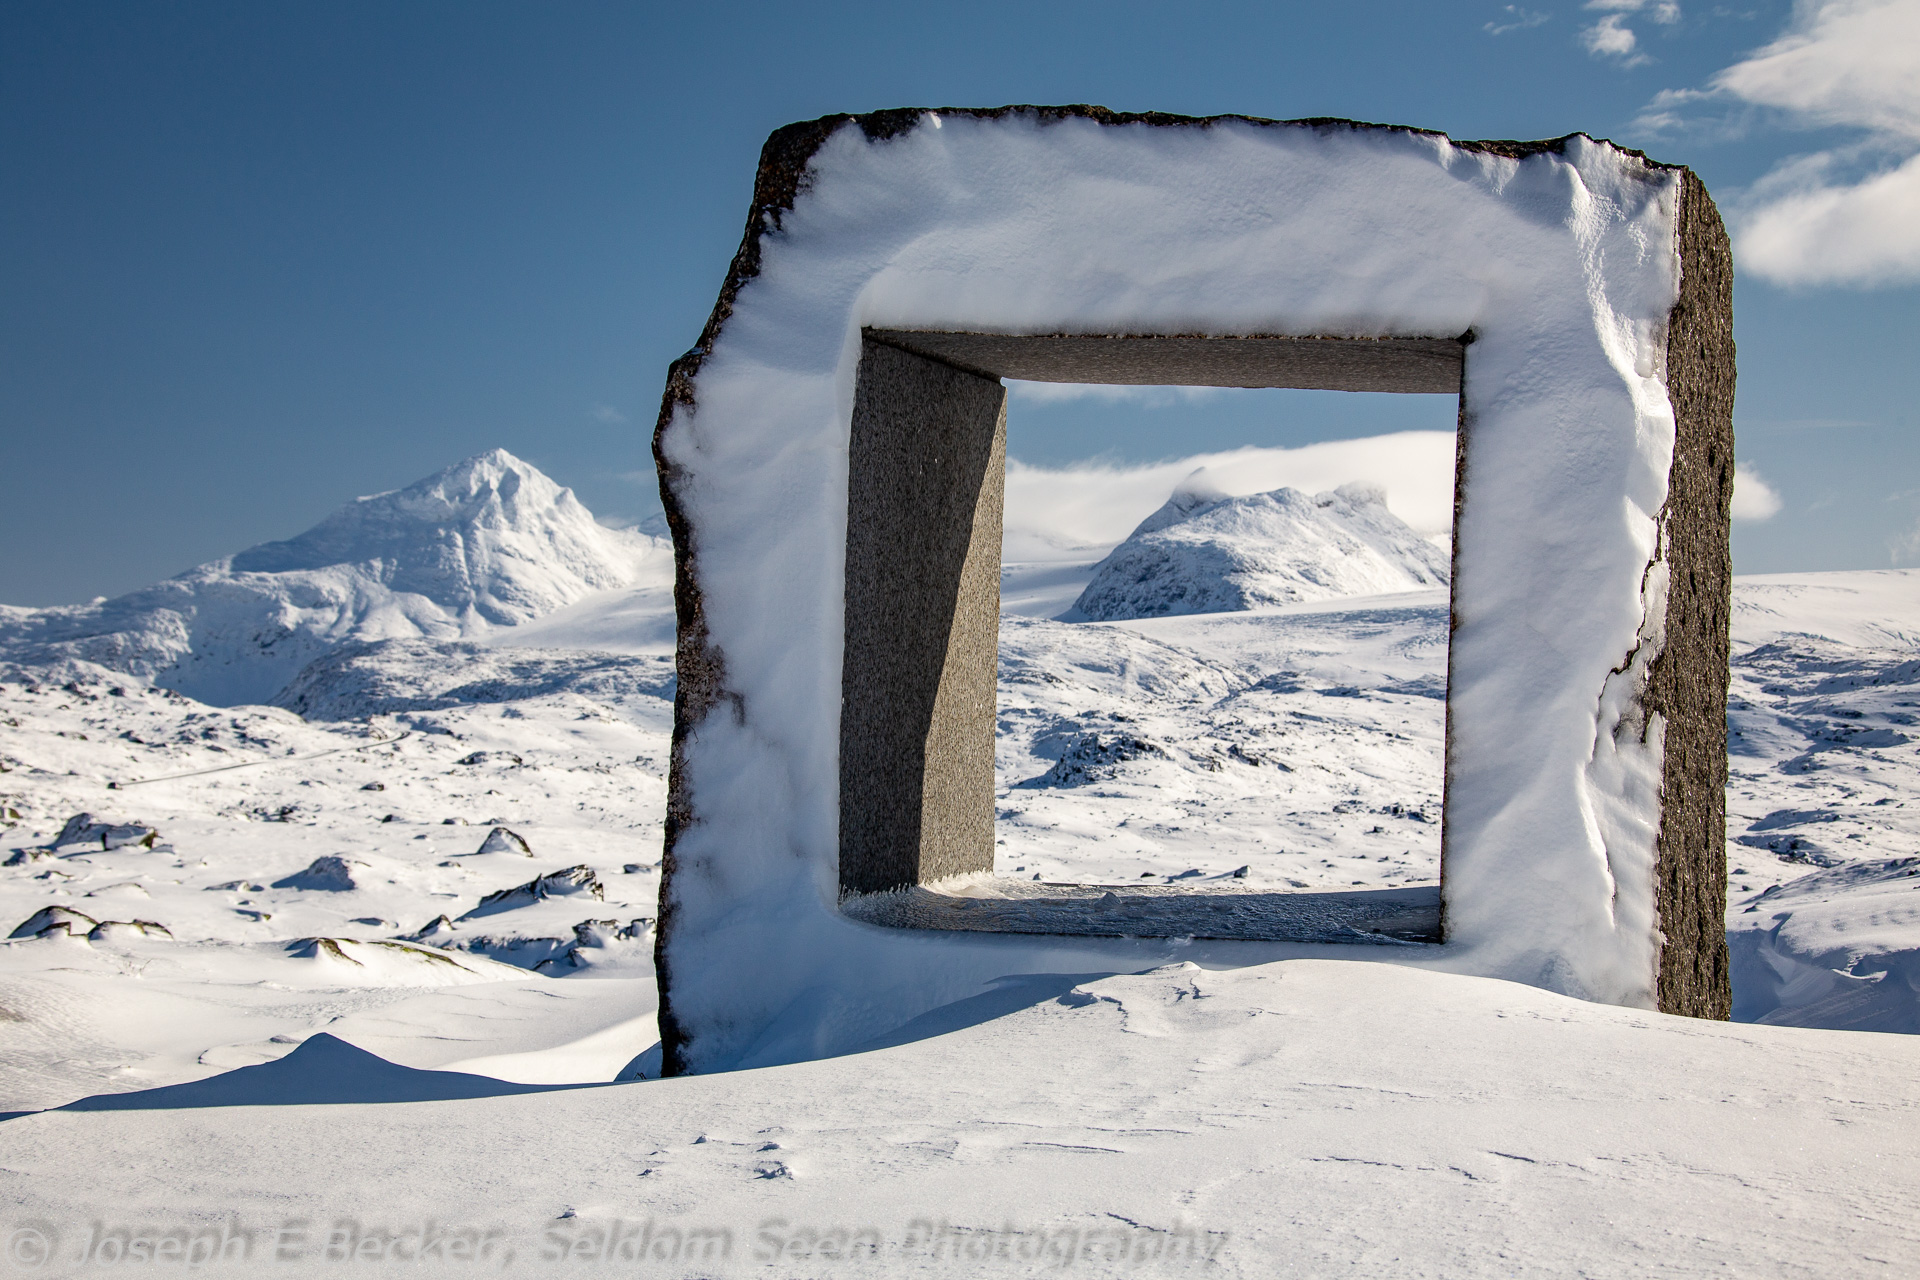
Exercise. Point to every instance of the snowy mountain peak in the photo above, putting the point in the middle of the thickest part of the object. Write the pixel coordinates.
(1196, 492)
(493, 492)
(1205, 552)
(489, 542)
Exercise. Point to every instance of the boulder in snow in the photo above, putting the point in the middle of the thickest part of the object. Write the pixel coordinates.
(435, 930)
(108, 930)
(55, 920)
(594, 939)
(84, 831)
(332, 873)
(1092, 758)
(75, 924)
(572, 880)
(501, 840)
(490, 757)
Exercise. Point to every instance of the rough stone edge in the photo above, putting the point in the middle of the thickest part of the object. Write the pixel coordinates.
(1687, 682)
(1463, 423)
(781, 177)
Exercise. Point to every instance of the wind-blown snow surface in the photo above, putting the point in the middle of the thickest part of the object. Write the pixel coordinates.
(1303, 1118)
(1206, 552)
(488, 543)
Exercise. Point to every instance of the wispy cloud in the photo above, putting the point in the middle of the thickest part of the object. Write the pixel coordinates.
(1753, 498)
(1906, 548)
(1850, 214)
(1611, 37)
(1517, 19)
(606, 413)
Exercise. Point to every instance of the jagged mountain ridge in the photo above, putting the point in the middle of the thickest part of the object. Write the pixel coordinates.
(489, 542)
(1206, 552)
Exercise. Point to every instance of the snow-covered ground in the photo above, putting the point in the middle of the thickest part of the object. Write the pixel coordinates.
(1299, 745)
(254, 956)
(314, 884)
(1304, 1118)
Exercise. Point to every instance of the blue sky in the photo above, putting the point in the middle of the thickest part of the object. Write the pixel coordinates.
(258, 258)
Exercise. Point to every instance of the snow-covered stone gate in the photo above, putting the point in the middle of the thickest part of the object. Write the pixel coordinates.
(831, 457)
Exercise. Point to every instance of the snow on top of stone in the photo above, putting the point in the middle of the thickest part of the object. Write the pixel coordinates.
(489, 542)
(1206, 552)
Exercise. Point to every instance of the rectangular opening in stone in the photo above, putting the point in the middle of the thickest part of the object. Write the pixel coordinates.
(1263, 765)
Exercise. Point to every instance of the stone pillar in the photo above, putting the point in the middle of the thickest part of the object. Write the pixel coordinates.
(1687, 685)
(925, 482)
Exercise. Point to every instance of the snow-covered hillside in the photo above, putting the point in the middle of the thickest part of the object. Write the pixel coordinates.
(1823, 800)
(1205, 552)
(1298, 746)
(485, 544)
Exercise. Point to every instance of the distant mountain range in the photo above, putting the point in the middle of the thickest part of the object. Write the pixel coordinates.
(1205, 552)
(488, 543)
(492, 551)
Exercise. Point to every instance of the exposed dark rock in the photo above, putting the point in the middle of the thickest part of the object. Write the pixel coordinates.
(501, 840)
(555, 884)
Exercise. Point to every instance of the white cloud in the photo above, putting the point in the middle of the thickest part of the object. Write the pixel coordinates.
(1665, 112)
(1866, 233)
(1664, 12)
(1849, 215)
(1080, 511)
(1060, 392)
(1518, 19)
(1844, 62)
(1611, 37)
(1753, 498)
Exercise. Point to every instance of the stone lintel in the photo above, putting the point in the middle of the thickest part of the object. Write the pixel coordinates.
(1406, 365)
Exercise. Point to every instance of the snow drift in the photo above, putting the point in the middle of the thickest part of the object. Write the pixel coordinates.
(489, 542)
(1204, 552)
